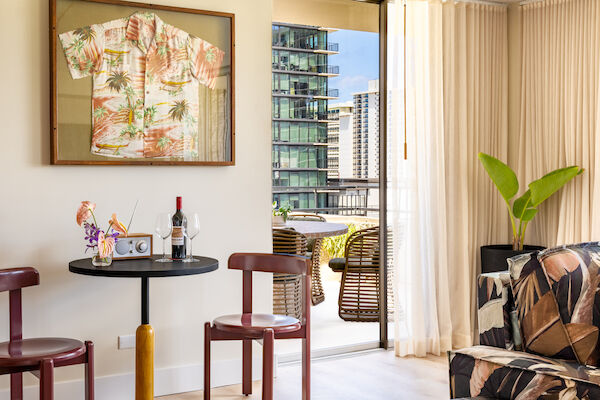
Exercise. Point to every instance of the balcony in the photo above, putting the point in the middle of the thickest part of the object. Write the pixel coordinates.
(323, 70)
(305, 92)
(300, 45)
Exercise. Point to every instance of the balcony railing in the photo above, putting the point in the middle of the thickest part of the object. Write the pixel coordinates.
(308, 45)
(315, 69)
(308, 92)
(333, 46)
(332, 69)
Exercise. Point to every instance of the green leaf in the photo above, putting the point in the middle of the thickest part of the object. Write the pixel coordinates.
(503, 177)
(521, 203)
(550, 183)
(529, 214)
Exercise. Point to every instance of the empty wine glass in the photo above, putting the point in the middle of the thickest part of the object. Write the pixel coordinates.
(193, 228)
(164, 227)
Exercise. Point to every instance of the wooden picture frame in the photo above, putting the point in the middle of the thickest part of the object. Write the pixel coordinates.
(69, 143)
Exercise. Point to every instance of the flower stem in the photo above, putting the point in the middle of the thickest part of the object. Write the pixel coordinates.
(93, 216)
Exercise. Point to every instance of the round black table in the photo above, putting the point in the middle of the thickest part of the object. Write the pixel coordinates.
(144, 339)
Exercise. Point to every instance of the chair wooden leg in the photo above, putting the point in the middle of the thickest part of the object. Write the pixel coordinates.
(207, 339)
(47, 380)
(89, 371)
(247, 367)
(306, 368)
(16, 386)
(267, 383)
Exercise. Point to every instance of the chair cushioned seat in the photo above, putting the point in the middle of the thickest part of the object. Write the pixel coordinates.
(507, 374)
(256, 323)
(29, 352)
(337, 264)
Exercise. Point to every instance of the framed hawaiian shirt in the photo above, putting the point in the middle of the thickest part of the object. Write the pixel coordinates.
(135, 83)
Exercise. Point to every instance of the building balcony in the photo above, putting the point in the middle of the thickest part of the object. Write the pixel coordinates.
(322, 70)
(304, 117)
(309, 93)
(300, 45)
(330, 94)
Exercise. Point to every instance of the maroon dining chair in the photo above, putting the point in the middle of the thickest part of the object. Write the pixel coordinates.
(41, 355)
(268, 327)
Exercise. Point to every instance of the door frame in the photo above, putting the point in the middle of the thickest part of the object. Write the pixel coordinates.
(383, 231)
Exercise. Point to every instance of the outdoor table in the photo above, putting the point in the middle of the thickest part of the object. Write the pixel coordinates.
(144, 339)
(316, 230)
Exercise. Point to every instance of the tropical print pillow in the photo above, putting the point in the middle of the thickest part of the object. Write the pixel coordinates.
(573, 274)
(494, 301)
(542, 329)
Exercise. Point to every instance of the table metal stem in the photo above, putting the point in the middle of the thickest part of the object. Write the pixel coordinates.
(145, 301)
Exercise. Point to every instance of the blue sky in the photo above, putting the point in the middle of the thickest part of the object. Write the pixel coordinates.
(358, 61)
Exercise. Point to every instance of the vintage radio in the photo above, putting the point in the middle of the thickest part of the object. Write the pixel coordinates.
(133, 245)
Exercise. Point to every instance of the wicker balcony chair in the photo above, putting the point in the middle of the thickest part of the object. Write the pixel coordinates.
(287, 288)
(359, 289)
(306, 217)
(314, 252)
(339, 264)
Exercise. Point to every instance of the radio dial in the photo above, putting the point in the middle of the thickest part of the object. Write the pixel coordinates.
(141, 246)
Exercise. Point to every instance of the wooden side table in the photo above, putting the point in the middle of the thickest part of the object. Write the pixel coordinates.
(144, 338)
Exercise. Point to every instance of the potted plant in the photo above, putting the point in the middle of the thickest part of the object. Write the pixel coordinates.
(280, 214)
(522, 210)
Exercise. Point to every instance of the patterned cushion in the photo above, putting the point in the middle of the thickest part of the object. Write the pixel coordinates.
(494, 301)
(504, 374)
(542, 329)
(573, 274)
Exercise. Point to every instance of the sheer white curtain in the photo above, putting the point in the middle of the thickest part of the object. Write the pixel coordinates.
(441, 206)
(560, 114)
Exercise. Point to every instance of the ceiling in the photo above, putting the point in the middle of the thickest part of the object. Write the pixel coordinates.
(493, 1)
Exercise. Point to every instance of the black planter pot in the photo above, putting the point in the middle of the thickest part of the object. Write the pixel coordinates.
(493, 257)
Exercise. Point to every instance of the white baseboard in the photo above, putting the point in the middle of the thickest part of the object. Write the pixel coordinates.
(166, 381)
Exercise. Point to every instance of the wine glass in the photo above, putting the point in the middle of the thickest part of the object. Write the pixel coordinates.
(164, 227)
(193, 228)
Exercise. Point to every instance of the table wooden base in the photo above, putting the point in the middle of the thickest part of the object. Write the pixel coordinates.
(144, 362)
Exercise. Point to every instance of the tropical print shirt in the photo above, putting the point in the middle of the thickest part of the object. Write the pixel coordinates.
(146, 77)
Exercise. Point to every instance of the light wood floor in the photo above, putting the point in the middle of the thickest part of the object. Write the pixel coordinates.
(376, 375)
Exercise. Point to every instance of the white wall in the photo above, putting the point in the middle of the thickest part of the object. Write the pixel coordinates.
(38, 202)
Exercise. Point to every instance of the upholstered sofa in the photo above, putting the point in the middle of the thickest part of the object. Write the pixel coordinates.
(538, 329)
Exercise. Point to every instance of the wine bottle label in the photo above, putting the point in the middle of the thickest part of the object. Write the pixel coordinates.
(177, 238)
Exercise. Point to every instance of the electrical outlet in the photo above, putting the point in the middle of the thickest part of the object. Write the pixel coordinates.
(126, 342)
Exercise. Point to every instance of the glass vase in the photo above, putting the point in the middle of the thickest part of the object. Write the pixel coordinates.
(98, 261)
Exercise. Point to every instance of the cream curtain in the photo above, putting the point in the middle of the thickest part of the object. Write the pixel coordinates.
(560, 114)
(213, 129)
(441, 205)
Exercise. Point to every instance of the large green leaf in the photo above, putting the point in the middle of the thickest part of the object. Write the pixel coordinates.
(503, 177)
(521, 203)
(550, 183)
(529, 214)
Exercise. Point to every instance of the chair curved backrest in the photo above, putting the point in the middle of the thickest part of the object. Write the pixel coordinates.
(285, 264)
(13, 280)
(266, 262)
(370, 229)
(359, 291)
(18, 278)
(306, 217)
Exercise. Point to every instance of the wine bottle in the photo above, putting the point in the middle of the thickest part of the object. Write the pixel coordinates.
(178, 249)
